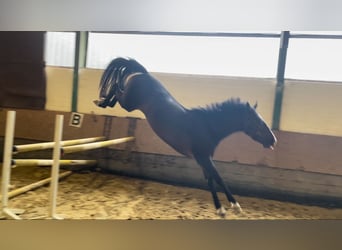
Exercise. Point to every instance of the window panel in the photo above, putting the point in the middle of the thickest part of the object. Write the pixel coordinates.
(314, 59)
(232, 56)
(60, 49)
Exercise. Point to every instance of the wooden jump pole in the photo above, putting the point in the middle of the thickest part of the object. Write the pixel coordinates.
(43, 162)
(35, 185)
(6, 166)
(55, 167)
(58, 146)
(47, 145)
(8, 162)
(95, 145)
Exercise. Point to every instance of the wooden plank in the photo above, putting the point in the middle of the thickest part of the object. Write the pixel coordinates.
(296, 151)
(263, 181)
(38, 125)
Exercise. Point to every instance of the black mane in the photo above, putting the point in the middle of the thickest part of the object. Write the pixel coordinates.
(221, 119)
(217, 109)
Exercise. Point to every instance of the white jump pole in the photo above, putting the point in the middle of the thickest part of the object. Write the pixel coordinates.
(43, 162)
(47, 145)
(55, 167)
(95, 145)
(6, 167)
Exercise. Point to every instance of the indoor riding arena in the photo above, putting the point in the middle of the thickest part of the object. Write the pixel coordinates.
(64, 156)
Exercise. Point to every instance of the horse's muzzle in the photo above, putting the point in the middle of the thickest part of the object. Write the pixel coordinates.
(272, 142)
(271, 145)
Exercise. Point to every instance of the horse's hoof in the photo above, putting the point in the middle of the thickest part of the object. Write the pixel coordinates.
(236, 206)
(221, 212)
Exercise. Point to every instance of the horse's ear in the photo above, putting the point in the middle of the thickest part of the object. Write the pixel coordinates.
(248, 105)
(255, 105)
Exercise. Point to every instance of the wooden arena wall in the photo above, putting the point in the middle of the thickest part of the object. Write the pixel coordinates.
(305, 164)
(297, 169)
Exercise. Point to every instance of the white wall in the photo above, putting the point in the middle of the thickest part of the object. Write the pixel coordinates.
(312, 107)
(58, 88)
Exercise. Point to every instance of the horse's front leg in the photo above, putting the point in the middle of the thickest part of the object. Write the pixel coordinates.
(234, 204)
(220, 210)
(211, 171)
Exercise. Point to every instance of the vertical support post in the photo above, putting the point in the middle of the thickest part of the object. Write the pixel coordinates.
(284, 42)
(80, 62)
(55, 167)
(7, 164)
(6, 168)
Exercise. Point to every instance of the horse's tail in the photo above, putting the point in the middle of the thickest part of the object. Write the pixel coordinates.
(113, 79)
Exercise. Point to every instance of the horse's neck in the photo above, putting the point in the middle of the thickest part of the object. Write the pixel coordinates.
(225, 123)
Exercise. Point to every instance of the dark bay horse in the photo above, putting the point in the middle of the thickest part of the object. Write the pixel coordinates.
(192, 132)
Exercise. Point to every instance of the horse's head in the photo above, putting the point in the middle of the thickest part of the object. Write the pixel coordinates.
(255, 127)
